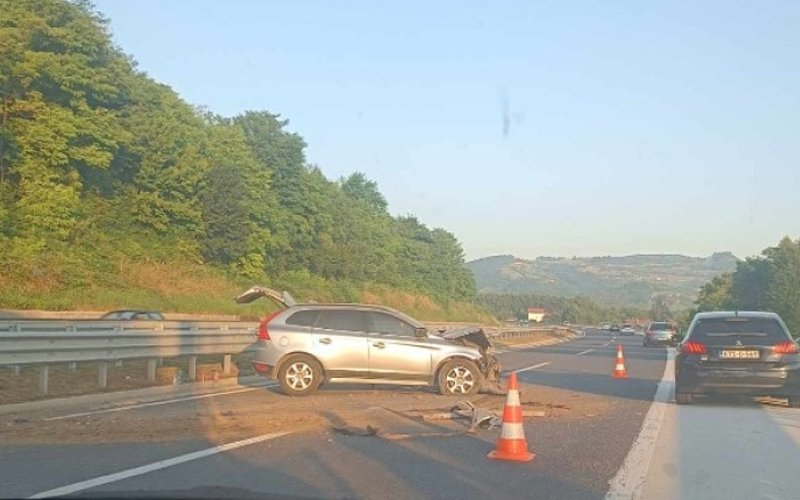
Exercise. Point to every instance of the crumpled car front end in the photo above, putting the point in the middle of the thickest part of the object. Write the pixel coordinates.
(475, 336)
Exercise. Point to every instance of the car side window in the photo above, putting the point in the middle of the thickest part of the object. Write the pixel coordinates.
(303, 318)
(350, 321)
(386, 324)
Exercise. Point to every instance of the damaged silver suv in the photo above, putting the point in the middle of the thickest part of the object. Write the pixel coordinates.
(306, 345)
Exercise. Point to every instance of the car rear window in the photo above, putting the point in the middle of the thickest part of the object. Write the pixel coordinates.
(748, 331)
(661, 326)
(303, 318)
(352, 321)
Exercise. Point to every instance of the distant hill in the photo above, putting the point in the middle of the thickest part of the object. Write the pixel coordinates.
(628, 280)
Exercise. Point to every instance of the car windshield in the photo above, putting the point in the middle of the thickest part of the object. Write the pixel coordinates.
(363, 249)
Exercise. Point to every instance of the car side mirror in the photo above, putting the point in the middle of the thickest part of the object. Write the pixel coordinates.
(421, 332)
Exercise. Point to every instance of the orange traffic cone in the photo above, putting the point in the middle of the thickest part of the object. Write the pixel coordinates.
(511, 445)
(619, 369)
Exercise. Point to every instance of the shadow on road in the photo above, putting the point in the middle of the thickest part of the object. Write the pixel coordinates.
(640, 389)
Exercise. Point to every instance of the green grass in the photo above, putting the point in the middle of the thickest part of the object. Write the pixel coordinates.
(78, 280)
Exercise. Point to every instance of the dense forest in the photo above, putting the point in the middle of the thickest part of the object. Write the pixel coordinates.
(113, 189)
(768, 282)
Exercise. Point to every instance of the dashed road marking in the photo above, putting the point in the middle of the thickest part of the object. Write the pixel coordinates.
(533, 367)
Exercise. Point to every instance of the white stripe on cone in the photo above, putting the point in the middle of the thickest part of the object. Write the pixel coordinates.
(512, 431)
(512, 399)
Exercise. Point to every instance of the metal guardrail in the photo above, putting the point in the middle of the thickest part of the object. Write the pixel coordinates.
(46, 342)
(36, 342)
(527, 332)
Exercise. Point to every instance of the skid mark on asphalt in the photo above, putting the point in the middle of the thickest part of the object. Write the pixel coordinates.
(161, 464)
(155, 403)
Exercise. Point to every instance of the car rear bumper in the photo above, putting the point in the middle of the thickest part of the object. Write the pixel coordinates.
(660, 340)
(783, 381)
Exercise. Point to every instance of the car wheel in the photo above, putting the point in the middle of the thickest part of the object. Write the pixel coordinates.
(683, 398)
(300, 375)
(459, 377)
(794, 402)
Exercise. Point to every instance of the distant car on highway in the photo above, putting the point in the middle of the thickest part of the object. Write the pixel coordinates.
(306, 345)
(132, 315)
(660, 333)
(614, 327)
(605, 326)
(748, 353)
(627, 330)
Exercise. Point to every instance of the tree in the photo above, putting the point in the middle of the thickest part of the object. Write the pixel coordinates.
(101, 166)
(716, 295)
(358, 187)
(59, 102)
(660, 310)
(750, 283)
(783, 293)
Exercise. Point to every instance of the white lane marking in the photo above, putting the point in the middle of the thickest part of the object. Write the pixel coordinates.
(154, 403)
(161, 464)
(627, 483)
(606, 344)
(587, 351)
(533, 367)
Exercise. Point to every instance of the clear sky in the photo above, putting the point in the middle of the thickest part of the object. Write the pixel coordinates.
(524, 127)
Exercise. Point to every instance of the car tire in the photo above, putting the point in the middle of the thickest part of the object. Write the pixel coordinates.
(794, 402)
(300, 375)
(683, 398)
(459, 377)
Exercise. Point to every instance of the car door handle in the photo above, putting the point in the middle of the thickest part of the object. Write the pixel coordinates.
(379, 345)
(325, 340)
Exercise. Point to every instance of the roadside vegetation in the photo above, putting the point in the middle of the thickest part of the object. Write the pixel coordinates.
(767, 282)
(114, 192)
(578, 310)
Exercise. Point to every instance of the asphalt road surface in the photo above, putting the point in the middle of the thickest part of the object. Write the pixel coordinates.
(599, 437)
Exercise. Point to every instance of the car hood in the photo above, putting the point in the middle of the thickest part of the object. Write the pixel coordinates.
(472, 334)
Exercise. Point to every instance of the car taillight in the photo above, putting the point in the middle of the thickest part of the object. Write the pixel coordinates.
(263, 332)
(787, 347)
(649, 333)
(693, 347)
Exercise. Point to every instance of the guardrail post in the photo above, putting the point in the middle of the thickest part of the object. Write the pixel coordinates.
(72, 367)
(192, 368)
(44, 375)
(16, 369)
(102, 375)
(226, 364)
(151, 369)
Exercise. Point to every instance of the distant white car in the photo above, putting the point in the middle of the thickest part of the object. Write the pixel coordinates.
(627, 330)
